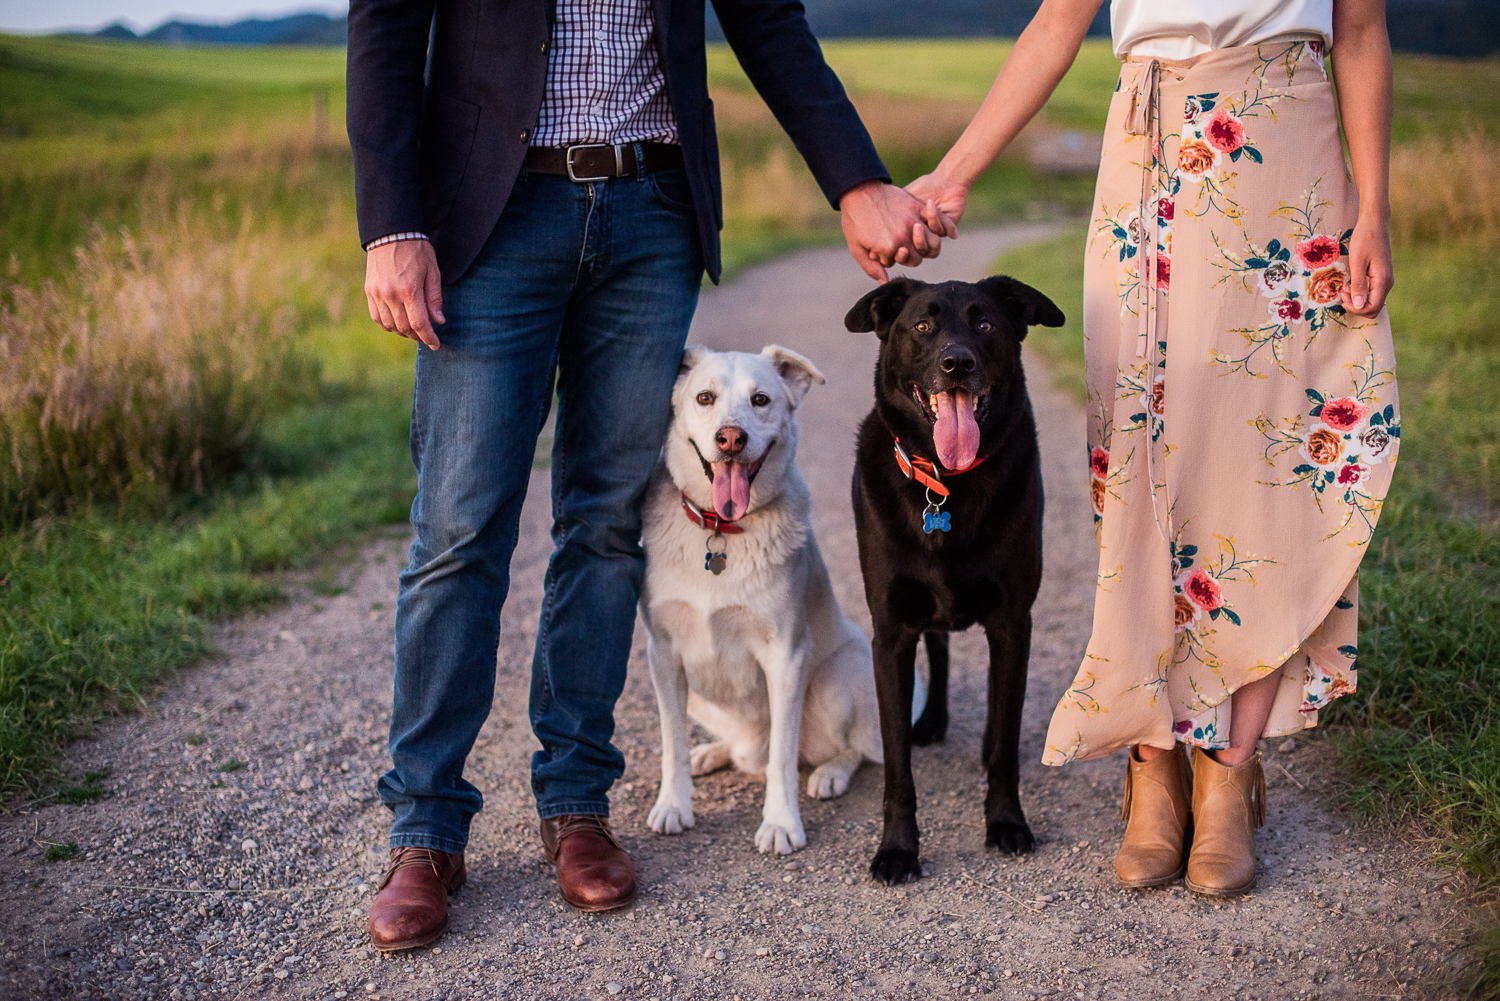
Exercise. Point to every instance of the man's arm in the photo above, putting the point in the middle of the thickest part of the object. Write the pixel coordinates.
(387, 55)
(781, 57)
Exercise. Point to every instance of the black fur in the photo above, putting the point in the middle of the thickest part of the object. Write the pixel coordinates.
(986, 570)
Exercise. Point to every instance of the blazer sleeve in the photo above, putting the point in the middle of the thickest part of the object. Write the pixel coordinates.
(781, 57)
(387, 59)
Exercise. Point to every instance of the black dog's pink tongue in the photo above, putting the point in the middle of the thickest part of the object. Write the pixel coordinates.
(731, 489)
(956, 434)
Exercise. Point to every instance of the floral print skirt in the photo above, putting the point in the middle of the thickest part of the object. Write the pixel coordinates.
(1242, 427)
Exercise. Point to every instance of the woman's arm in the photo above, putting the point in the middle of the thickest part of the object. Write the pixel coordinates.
(1362, 72)
(1030, 73)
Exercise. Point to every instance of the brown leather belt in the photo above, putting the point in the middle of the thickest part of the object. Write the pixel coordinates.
(601, 161)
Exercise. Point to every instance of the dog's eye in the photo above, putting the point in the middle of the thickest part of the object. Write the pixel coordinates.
(924, 326)
(760, 400)
(985, 326)
(705, 399)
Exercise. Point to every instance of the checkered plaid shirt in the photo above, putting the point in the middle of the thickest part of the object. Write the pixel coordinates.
(604, 77)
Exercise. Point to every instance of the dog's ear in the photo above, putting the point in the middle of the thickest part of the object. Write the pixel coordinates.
(1027, 304)
(796, 371)
(880, 307)
(691, 356)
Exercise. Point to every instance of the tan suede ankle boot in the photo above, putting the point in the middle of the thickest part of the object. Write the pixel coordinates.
(1228, 805)
(1156, 811)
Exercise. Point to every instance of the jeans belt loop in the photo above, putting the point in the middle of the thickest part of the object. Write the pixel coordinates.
(640, 161)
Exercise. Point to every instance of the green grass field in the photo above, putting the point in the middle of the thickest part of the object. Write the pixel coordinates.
(96, 606)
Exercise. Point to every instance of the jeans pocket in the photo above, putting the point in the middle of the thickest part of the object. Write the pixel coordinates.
(670, 188)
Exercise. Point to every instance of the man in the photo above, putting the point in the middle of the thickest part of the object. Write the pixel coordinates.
(540, 179)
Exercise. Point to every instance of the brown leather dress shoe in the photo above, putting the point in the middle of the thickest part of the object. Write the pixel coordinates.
(593, 871)
(411, 907)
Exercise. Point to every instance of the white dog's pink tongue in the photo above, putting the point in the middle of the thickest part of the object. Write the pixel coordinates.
(731, 489)
(956, 434)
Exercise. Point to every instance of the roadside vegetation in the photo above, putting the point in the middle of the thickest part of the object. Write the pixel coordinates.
(1421, 738)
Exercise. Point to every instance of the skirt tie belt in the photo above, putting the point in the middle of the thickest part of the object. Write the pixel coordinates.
(1144, 119)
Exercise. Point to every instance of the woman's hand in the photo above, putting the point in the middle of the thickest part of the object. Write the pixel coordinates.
(1370, 273)
(942, 202)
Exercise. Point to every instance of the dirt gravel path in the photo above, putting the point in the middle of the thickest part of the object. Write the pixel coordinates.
(235, 851)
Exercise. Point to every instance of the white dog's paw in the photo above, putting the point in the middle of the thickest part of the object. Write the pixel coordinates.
(828, 781)
(670, 817)
(707, 758)
(779, 837)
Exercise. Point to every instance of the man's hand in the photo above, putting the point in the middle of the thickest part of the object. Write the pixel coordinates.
(404, 290)
(883, 226)
(1370, 273)
(942, 201)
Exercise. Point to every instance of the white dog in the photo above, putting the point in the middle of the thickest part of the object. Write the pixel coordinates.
(745, 632)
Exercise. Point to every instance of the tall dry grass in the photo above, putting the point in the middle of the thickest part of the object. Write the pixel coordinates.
(1442, 188)
(147, 371)
(767, 186)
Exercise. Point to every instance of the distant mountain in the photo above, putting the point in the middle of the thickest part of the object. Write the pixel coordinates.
(295, 29)
(1441, 27)
(117, 30)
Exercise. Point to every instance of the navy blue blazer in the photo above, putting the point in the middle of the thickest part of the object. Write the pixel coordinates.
(441, 158)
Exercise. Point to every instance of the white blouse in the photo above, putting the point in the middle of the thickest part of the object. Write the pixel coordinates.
(1182, 29)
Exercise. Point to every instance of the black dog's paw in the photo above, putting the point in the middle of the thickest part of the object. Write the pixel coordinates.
(1009, 837)
(930, 728)
(893, 866)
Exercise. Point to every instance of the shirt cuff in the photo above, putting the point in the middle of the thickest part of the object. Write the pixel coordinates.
(394, 238)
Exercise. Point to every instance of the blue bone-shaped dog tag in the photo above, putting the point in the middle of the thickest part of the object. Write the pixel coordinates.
(934, 522)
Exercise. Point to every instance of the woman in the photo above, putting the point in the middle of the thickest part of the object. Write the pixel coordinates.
(1236, 488)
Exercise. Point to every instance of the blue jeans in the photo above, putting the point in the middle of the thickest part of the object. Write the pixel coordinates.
(597, 283)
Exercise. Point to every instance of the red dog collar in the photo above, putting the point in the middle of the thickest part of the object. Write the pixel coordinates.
(708, 519)
(925, 471)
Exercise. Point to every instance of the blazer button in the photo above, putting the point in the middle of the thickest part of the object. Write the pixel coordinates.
(525, 134)
(545, 46)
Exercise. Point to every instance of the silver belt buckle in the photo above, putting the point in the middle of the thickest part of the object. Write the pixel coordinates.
(602, 177)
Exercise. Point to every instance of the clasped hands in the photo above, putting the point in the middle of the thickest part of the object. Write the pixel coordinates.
(886, 225)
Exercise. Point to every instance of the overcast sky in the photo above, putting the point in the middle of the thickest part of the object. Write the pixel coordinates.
(32, 16)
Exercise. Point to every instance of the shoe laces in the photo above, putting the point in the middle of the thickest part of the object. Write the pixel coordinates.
(407, 856)
(587, 823)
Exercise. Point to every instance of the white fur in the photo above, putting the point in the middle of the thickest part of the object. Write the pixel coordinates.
(761, 655)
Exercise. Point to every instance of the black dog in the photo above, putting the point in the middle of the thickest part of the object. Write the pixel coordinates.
(942, 551)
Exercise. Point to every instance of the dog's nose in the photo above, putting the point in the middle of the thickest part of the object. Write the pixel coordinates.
(955, 359)
(731, 440)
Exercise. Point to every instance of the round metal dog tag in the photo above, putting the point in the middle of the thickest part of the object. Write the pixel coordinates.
(716, 562)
